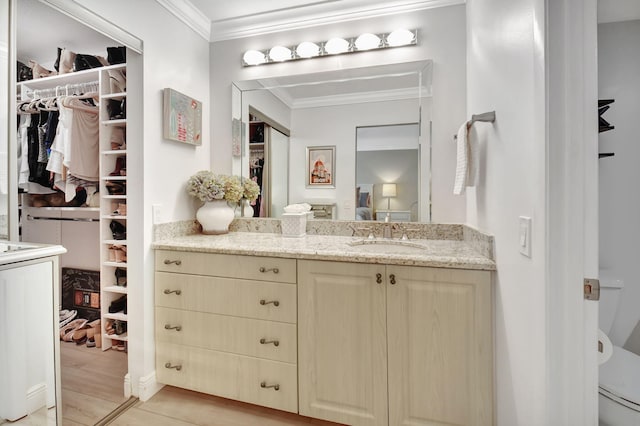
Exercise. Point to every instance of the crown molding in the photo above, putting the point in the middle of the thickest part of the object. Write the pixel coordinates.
(348, 98)
(185, 11)
(322, 14)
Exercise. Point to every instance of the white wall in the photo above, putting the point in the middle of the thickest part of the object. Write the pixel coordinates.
(505, 64)
(441, 38)
(336, 125)
(618, 75)
(174, 56)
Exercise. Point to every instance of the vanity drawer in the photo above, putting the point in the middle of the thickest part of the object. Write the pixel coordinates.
(251, 299)
(245, 336)
(228, 375)
(227, 265)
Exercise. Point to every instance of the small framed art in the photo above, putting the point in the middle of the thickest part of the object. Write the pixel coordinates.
(321, 163)
(182, 118)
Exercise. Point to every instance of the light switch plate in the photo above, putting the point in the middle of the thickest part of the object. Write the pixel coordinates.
(524, 236)
(156, 213)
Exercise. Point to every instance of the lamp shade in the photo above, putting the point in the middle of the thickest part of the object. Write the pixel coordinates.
(388, 189)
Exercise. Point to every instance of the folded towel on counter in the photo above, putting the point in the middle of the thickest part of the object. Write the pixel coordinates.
(467, 164)
(297, 208)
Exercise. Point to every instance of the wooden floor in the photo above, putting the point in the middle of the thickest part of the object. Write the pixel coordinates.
(92, 387)
(178, 407)
(92, 382)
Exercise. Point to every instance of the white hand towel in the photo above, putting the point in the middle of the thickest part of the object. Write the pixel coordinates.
(462, 160)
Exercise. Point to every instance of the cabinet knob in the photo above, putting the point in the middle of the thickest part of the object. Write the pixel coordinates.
(264, 341)
(176, 367)
(169, 262)
(392, 279)
(177, 292)
(174, 327)
(379, 278)
(264, 385)
(274, 270)
(266, 302)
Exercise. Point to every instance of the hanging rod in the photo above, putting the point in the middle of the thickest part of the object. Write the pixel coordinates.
(485, 117)
(74, 219)
(66, 90)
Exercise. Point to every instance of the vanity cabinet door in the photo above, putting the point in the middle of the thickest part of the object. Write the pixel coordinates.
(342, 354)
(440, 346)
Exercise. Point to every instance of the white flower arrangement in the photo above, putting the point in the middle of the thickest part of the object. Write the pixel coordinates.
(208, 186)
(250, 189)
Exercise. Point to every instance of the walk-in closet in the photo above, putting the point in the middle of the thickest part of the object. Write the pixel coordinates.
(71, 104)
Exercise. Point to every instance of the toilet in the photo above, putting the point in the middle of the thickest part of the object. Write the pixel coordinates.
(619, 378)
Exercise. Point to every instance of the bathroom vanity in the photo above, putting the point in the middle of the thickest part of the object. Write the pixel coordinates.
(343, 328)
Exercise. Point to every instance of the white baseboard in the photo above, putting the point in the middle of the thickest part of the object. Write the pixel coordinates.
(148, 386)
(127, 385)
(36, 397)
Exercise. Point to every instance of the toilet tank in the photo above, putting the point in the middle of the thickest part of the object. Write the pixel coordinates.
(610, 289)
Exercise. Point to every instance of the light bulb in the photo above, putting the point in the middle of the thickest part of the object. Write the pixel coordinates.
(306, 49)
(336, 45)
(400, 37)
(253, 57)
(367, 41)
(280, 53)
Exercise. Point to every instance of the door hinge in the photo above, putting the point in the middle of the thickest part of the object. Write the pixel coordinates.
(591, 289)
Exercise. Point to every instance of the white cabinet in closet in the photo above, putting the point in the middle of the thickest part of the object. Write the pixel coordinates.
(113, 206)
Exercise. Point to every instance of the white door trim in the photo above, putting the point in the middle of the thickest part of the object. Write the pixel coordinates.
(572, 211)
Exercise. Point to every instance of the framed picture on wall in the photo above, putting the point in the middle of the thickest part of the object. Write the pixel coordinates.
(182, 118)
(321, 163)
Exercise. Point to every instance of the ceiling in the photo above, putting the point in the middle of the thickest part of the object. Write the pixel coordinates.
(618, 10)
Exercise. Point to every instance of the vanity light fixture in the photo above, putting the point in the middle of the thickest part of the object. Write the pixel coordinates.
(334, 46)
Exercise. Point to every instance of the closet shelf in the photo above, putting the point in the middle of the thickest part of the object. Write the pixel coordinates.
(116, 289)
(115, 242)
(113, 216)
(115, 95)
(116, 316)
(116, 264)
(115, 152)
(115, 197)
(66, 209)
(121, 337)
(85, 76)
(113, 178)
(122, 122)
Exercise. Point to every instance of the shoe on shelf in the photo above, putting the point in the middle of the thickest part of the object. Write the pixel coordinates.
(121, 277)
(115, 110)
(118, 230)
(121, 167)
(120, 210)
(116, 187)
(118, 305)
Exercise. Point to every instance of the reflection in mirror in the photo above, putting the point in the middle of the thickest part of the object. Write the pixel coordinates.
(327, 109)
(4, 118)
(387, 172)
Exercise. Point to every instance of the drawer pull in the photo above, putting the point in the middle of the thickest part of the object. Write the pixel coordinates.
(170, 327)
(264, 341)
(265, 386)
(266, 302)
(169, 262)
(263, 269)
(177, 292)
(379, 278)
(392, 279)
(176, 367)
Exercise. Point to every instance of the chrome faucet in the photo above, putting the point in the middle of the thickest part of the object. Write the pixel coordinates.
(386, 232)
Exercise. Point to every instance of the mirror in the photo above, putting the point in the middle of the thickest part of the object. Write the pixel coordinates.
(329, 110)
(5, 24)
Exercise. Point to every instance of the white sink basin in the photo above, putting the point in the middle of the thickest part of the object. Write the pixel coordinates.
(386, 246)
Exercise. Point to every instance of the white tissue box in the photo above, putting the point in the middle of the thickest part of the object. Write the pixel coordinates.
(294, 224)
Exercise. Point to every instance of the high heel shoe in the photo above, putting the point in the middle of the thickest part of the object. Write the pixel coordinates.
(118, 230)
(121, 210)
(121, 167)
(116, 187)
(67, 58)
(39, 71)
(121, 254)
(114, 108)
(118, 305)
(121, 277)
(118, 138)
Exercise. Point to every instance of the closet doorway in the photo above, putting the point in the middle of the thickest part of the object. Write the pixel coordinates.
(268, 163)
(73, 110)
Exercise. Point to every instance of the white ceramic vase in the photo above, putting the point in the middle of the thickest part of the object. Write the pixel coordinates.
(215, 217)
(247, 210)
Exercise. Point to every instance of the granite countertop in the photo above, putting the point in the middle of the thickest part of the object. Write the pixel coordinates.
(416, 252)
